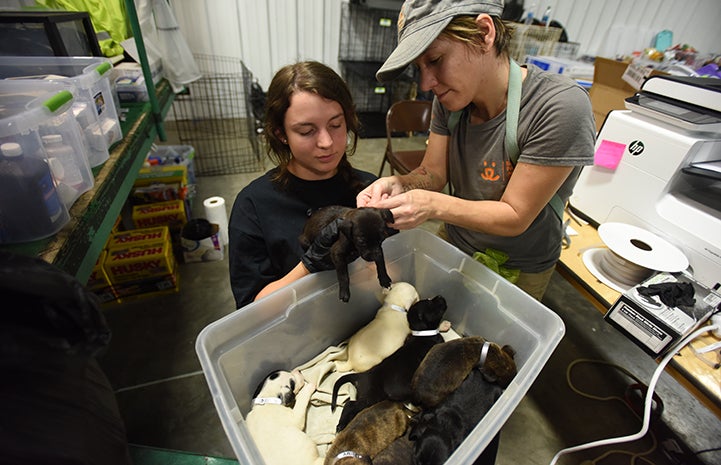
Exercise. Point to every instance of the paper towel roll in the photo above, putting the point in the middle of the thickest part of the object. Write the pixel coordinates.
(215, 213)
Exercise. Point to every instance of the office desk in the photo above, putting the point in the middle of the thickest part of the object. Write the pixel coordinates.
(699, 378)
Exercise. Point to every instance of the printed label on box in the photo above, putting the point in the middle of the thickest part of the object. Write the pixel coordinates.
(655, 325)
(138, 262)
(138, 236)
(170, 213)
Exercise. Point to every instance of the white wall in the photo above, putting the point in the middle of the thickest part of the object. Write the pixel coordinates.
(269, 34)
(264, 34)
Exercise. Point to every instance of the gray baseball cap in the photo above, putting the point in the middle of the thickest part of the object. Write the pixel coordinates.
(421, 21)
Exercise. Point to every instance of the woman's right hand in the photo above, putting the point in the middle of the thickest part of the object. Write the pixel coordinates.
(380, 189)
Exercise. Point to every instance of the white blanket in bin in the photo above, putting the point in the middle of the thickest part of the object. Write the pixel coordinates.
(320, 421)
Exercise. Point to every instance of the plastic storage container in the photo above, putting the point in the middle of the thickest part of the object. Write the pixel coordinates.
(62, 139)
(35, 189)
(94, 105)
(162, 155)
(237, 351)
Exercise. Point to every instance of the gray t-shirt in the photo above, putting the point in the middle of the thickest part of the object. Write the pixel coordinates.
(555, 128)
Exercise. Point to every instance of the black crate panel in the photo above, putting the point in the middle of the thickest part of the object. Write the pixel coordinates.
(368, 94)
(367, 34)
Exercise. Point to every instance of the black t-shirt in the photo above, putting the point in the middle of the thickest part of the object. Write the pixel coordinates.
(266, 221)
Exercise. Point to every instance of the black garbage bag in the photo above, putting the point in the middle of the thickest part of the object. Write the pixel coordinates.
(56, 404)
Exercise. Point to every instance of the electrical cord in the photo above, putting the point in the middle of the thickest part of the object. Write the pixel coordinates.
(647, 404)
(634, 456)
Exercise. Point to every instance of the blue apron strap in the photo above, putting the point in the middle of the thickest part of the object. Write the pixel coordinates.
(513, 106)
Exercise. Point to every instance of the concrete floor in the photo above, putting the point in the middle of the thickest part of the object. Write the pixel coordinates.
(165, 401)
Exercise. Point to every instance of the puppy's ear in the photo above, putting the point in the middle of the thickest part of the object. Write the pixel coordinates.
(346, 228)
(387, 215)
(509, 350)
(272, 375)
(382, 293)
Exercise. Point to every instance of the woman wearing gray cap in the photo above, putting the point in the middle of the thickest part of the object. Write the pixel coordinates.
(491, 118)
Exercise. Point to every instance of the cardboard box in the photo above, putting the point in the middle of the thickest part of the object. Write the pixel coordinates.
(123, 239)
(167, 174)
(139, 262)
(170, 213)
(160, 285)
(99, 282)
(609, 90)
(655, 326)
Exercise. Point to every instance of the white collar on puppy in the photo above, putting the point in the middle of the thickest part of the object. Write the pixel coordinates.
(267, 400)
(349, 453)
(425, 332)
(484, 353)
(397, 308)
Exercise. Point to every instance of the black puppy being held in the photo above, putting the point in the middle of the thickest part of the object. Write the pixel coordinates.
(391, 378)
(360, 233)
(440, 430)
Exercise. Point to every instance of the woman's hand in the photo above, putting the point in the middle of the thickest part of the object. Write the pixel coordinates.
(411, 208)
(381, 189)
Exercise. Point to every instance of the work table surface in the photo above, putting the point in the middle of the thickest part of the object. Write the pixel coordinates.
(695, 375)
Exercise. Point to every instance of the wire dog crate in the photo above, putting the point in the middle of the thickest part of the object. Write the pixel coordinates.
(367, 34)
(215, 116)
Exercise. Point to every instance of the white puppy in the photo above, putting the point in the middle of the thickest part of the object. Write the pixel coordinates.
(277, 420)
(384, 334)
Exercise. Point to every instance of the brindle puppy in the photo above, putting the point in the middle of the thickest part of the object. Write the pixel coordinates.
(361, 232)
(446, 366)
(399, 452)
(371, 431)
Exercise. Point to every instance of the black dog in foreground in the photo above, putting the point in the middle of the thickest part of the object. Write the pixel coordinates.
(360, 233)
(440, 430)
(391, 378)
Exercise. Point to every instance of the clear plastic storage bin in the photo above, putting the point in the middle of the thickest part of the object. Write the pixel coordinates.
(174, 155)
(94, 106)
(237, 351)
(43, 159)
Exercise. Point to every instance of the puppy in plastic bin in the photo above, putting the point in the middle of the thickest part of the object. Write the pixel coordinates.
(360, 233)
(385, 333)
(277, 420)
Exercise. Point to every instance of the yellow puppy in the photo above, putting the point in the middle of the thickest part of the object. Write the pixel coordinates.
(277, 420)
(384, 334)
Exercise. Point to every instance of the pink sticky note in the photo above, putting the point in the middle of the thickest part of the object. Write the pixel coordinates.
(609, 154)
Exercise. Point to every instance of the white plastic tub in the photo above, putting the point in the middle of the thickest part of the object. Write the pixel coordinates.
(298, 322)
(94, 106)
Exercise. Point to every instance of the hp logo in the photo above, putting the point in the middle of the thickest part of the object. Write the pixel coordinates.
(636, 148)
